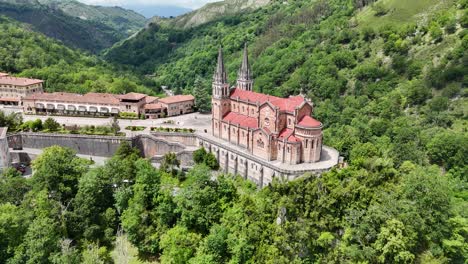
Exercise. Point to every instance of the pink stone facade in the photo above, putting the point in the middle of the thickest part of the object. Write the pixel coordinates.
(269, 127)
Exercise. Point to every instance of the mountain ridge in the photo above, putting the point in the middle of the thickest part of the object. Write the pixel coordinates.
(211, 11)
(65, 21)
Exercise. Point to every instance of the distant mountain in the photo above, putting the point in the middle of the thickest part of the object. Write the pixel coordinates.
(152, 45)
(150, 11)
(215, 10)
(77, 25)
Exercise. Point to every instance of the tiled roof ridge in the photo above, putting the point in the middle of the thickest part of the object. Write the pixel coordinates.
(286, 104)
(308, 121)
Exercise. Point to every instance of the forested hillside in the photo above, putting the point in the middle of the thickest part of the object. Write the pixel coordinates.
(77, 25)
(30, 54)
(120, 19)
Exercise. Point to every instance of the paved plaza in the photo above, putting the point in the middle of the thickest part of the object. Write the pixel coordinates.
(196, 121)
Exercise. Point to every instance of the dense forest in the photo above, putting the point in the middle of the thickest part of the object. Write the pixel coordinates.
(388, 80)
(30, 54)
(89, 28)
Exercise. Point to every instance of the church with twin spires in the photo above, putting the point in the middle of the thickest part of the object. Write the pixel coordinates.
(268, 127)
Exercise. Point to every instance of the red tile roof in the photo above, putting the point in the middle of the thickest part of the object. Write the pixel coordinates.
(241, 120)
(132, 96)
(308, 121)
(151, 99)
(285, 104)
(90, 98)
(9, 99)
(285, 133)
(155, 106)
(176, 99)
(293, 139)
(19, 81)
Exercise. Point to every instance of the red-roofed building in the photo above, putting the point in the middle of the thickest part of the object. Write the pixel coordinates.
(178, 104)
(13, 89)
(104, 104)
(269, 127)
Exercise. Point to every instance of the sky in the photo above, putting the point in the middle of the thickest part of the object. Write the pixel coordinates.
(193, 4)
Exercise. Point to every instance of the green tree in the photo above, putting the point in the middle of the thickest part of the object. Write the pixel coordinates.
(201, 204)
(199, 155)
(178, 245)
(211, 161)
(202, 97)
(13, 186)
(93, 217)
(13, 226)
(170, 163)
(40, 243)
(448, 149)
(58, 170)
(394, 243)
(150, 212)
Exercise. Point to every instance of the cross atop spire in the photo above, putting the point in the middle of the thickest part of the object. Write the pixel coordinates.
(244, 80)
(220, 75)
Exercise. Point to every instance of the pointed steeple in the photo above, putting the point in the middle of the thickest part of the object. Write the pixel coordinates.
(220, 82)
(244, 79)
(220, 75)
(244, 71)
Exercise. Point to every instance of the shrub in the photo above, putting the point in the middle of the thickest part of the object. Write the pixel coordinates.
(380, 9)
(51, 125)
(199, 155)
(436, 33)
(128, 115)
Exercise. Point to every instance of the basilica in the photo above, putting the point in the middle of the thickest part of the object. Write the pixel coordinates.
(268, 127)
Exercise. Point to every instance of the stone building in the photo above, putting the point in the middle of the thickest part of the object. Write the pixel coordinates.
(178, 104)
(13, 89)
(268, 127)
(105, 104)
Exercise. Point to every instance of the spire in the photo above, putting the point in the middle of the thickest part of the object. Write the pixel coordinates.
(244, 71)
(220, 75)
(244, 79)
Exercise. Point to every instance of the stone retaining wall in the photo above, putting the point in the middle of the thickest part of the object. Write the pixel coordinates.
(187, 139)
(102, 146)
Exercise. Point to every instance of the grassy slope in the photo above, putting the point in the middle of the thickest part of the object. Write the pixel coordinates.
(401, 12)
(212, 11)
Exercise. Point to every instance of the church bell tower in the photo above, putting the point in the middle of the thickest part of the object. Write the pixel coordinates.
(221, 104)
(244, 79)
